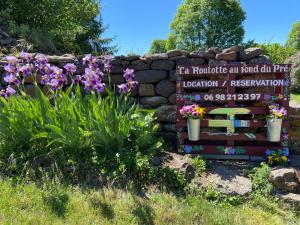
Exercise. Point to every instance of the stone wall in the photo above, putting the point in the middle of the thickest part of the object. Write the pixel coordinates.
(156, 76)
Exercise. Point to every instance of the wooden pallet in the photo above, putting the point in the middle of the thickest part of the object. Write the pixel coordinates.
(235, 121)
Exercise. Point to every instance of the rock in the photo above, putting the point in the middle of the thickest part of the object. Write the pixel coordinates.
(163, 65)
(213, 62)
(236, 48)
(117, 69)
(214, 50)
(284, 179)
(115, 79)
(146, 90)
(260, 60)
(150, 76)
(177, 57)
(203, 54)
(250, 53)
(291, 197)
(172, 99)
(230, 56)
(170, 127)
(154, 101)
(166, 113)
(189, 61)
(172, 75)
(131, 57)
(177, 52)
(139, 65)
(165, 88)
(67, 58)
(226, 180)
(125, 63)
(156, 56)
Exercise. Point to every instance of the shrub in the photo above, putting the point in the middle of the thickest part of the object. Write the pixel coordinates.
(276, 52)
(95, 130)
(260, 180)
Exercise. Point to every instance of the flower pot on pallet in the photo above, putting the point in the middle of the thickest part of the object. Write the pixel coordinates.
(193, 126)
(274, 129)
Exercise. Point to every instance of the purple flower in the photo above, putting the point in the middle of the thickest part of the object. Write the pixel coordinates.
(11, 79)
(12, 60)
(26, 56)
(70, 67)
(100, 87)
(2, 93)
(128, 74)
(54, 84)
(10, 68)
(124, 88)
(41, 59)
(87, 59)
(269, 152)
(107, 59)
(10, 91)
(133, 84)
(77, 79)
(25, 70)
(45, 79)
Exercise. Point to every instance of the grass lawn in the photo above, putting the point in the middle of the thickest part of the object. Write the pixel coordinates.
(29, 204)
(295, 98)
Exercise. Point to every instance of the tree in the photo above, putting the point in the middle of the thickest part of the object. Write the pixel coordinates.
(277, 53)
(158, 46)
(294, 36)
(208, 23)
(72, 25)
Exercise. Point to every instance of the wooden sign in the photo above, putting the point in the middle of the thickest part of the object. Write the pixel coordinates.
(236, 104)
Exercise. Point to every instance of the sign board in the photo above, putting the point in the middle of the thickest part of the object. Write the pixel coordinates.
(236, 98)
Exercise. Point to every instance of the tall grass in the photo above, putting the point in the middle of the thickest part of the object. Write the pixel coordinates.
(74, 132)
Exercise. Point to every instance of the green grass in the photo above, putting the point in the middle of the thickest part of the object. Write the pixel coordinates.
(295, 97)
(55, 204)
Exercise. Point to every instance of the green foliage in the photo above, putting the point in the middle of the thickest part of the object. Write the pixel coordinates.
(64, 25)
(27, 203)
(293, 40)
(260, 180)
(76, 133)
(206, 23)
(158, 46)
(199, 164)
(277, 53)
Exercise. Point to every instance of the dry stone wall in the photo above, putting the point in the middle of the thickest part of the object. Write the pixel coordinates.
(156, 76)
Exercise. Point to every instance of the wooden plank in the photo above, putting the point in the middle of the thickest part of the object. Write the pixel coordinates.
(252, 123)
(198, 84)
(253, 110)
(242, 97)
(230, 136)
(228, 150)
(232, 69)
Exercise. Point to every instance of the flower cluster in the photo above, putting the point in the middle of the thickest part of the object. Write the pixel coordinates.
(192, 111)
(131, 83)
(279, 157)
(276, 112)
(96, 69)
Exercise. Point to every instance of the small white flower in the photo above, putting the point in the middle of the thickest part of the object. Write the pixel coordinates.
(117, 155)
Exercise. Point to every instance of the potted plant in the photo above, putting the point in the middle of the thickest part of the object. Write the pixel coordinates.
(274, 122)
(193, 114)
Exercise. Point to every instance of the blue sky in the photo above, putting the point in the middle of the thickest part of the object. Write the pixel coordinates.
(135, 23)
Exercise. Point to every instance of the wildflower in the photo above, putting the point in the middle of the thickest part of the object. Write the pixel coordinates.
(10, 91)
(124, 88)
(26, 56)
(107, 59)
(25, 70)
(10, 68)
(11, 79)
(87, 59)
(12, 60)
(41, 59)
(128, 74)
(70, 67)
(77, 79)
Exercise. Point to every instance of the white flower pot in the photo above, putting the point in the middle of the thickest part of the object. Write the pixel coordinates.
(193, 126)
(274, 129)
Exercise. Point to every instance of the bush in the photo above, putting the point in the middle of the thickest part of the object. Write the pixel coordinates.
(260, 180)
(277, 53)
(75, 132)
(69, 25)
